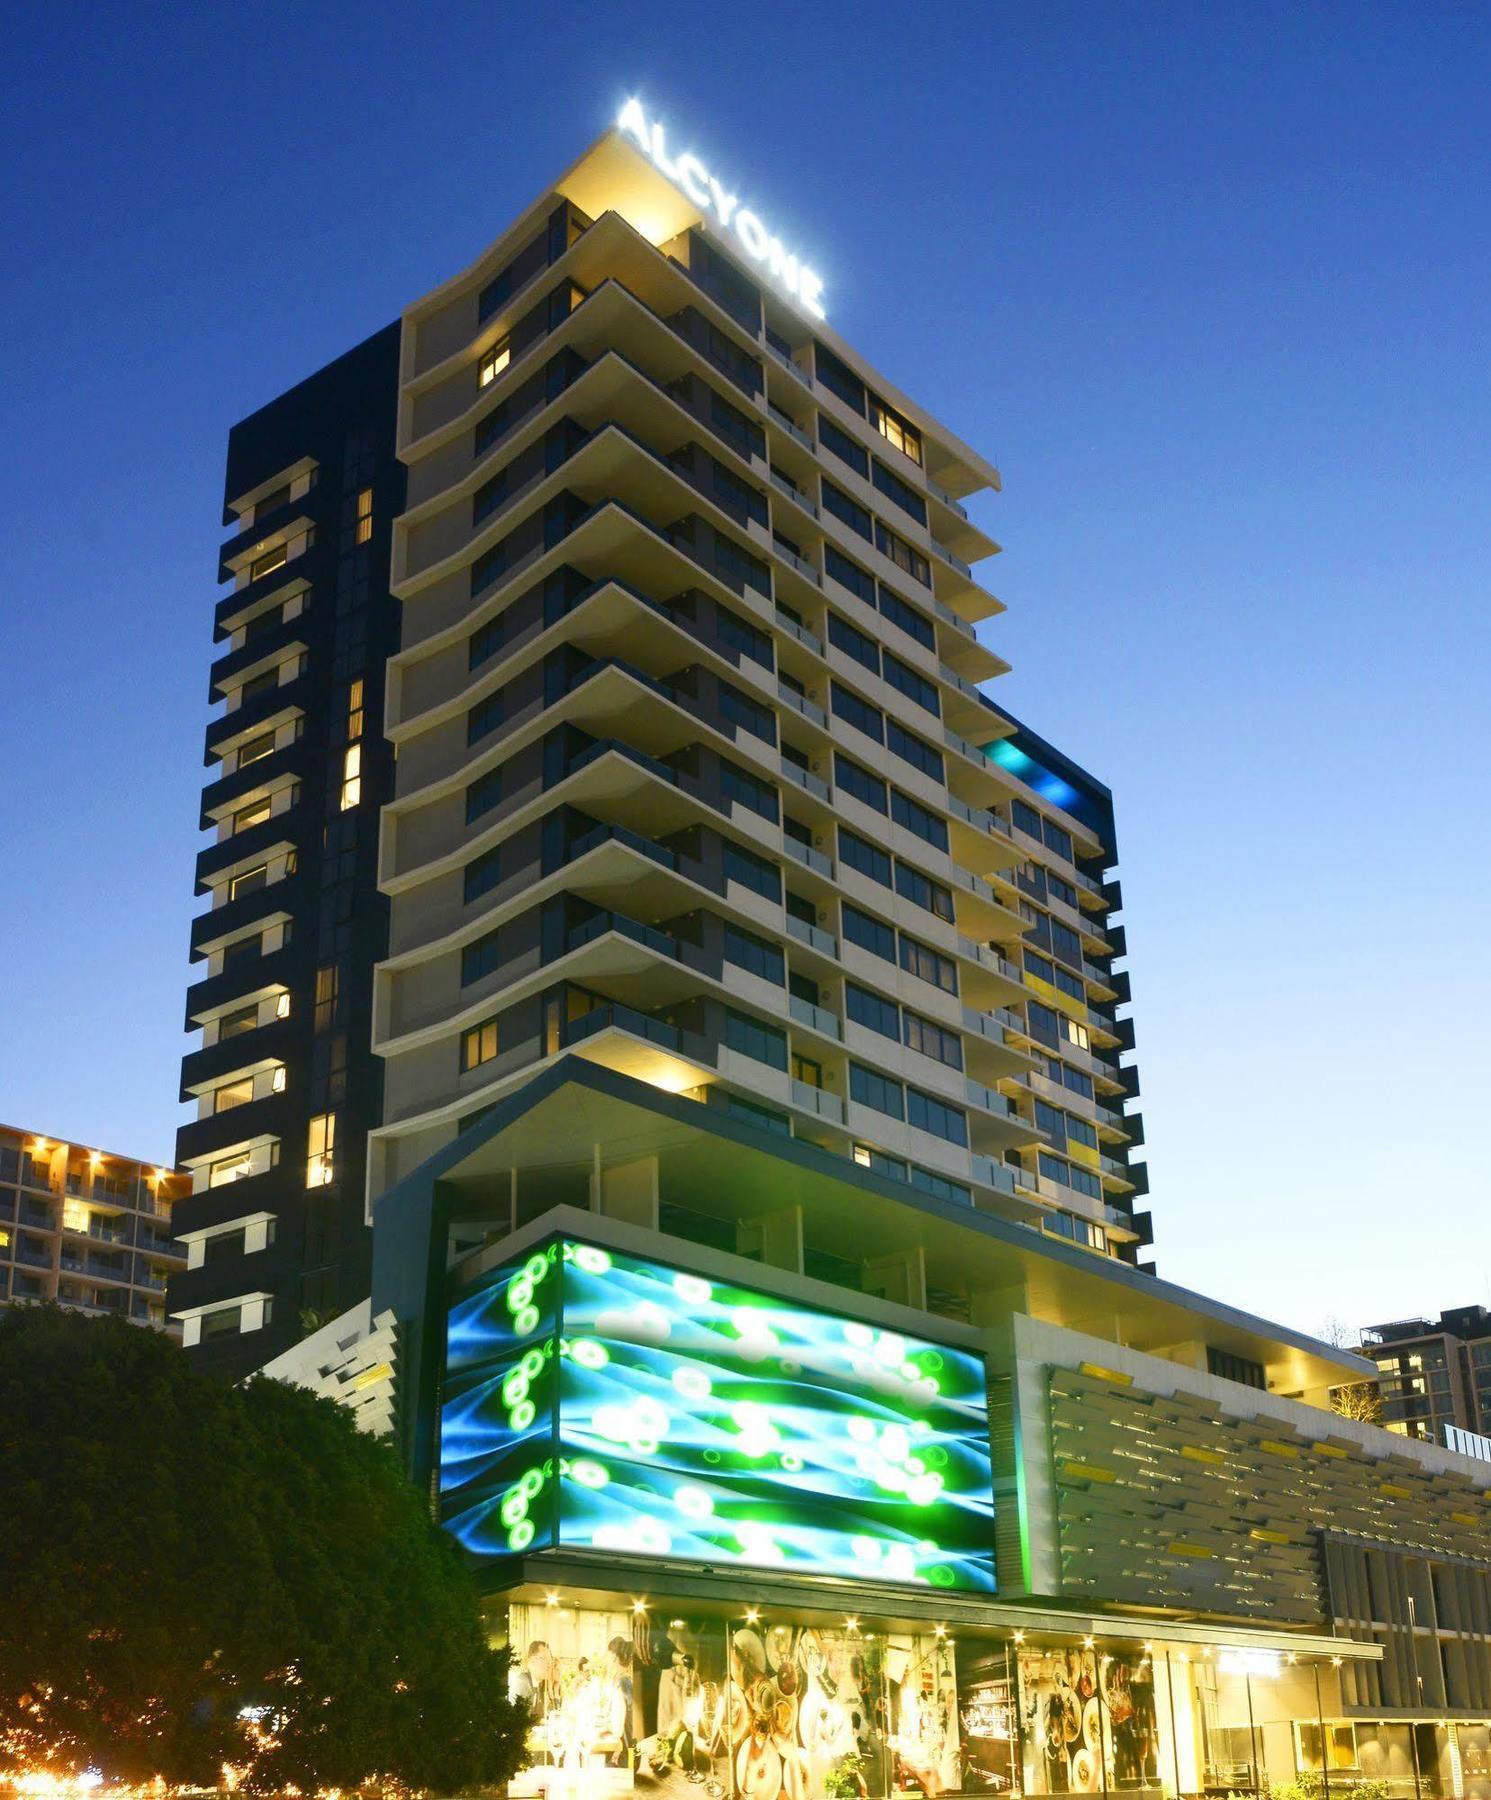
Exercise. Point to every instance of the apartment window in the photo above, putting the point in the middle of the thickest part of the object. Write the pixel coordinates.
(808, 1072)
(328, 987)
(1025, 818)
(872, 1010)
(906, 618)
(478, 1045)
(226, 1321)
(940, 1188)
(253, 749)
(932, 1040)
(921, 890)
(915, 687)
(859, 853)
(868, 789)
(909, 561)
(899, 493)
(268, 562)
(1072, 1175)
(895, 430)
(351, 776)
(743, 638)
(1066, 943)
(1080, 1231)
(752, 871)
(755, 954)
(1080, 1132)
(844, 636)
(233, 1093)
(840, 444)
(1075, 1080)
(320, 1161)
(494, 362)
(878, 1163)
(271, 502)
(363, 528)
(849, 574)
(740, 788)
(264, 682)
(242, 950)
(354, 708)
(848, 511)
(921, 960)
(928, 1113)
(482, 874)
(744, 713)
(249, 882)
(255, 813)
(235, 1024)
(483, 794)
(917, 818)
(848, 706)
(484, 717)
(911, 749)
(839, 379)
(481, 957)
(762, 1117)
(870, 1088)
(869, 933)
(763, 1043)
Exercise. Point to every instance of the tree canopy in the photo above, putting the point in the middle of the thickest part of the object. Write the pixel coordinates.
(193, 1574)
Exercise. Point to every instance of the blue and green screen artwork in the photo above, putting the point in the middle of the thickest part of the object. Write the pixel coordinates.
(607, 1402)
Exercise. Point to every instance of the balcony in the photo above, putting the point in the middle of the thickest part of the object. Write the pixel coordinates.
(817, 1101)
(808, 857)
(790, 426)
(647, 935)
(815, 1018)
(269, 1043)
(278, 900)
(815, 715)
(814, 936)
(809, 640)
(269, 1117)
(806, 780)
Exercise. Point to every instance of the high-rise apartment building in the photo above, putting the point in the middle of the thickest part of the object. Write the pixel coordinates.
(1434, 1373)
(695, 777)
(85, 1228)
(283, 1078)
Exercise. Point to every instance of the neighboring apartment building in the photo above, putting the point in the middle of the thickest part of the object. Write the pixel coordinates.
(86, 1228)
(284, 1080)
(1434, 1373)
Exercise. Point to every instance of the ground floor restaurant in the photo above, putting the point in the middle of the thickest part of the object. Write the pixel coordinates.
(665, 1699)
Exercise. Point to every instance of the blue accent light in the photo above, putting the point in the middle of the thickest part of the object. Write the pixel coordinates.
(1050, 787)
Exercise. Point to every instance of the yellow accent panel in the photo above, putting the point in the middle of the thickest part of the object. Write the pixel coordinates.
(1181, 1548)
(1268, 1537)
(1074, 1009)
(1465, 1518)
(1275, 1448)
(1099, 1373)
(1197, 1454)
(379, 1372)
(1398, 1493)
(1082, 1154)
(1087, 1472)
(1329, 1450)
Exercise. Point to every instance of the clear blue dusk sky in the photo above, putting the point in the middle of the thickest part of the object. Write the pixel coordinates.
(1210, 281)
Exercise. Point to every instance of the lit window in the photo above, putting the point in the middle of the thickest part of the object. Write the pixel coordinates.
(255, 748)
(327, 985)
(234, 1024)
(255, 813)
(278, 1080)
(268, 562)
(320, 1151)
(479, 1045)
(234, 1093)
(895, 430)
(351, 776)
(354, 709)
(364, 529)
(495, 361)
(282, 1007)
(75, 1216)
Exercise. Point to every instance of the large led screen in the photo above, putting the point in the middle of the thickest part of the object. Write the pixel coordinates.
(594, 1399)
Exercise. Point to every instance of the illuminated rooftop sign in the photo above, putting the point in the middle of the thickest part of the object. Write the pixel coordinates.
(689, 175)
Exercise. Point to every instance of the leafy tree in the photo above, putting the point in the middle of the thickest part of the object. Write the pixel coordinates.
(193, 1574)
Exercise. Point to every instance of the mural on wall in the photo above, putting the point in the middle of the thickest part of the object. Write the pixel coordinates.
(763, 1712)
(1089, 1721)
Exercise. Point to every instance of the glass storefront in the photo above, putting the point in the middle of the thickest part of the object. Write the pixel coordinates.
(656, 1701)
